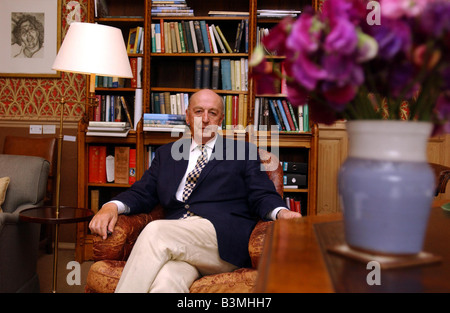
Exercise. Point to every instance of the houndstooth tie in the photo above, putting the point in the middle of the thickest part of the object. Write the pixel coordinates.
(192, 177)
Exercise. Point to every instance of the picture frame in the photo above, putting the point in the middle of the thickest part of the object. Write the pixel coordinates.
(30, 32)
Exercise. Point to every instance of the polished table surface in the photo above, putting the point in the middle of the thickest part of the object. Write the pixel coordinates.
(295, 259)
(47, 215)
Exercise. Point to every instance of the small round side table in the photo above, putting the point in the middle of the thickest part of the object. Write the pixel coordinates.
(49, 215)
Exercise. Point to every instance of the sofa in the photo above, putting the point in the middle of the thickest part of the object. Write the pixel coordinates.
(110, 255)
(23, 183)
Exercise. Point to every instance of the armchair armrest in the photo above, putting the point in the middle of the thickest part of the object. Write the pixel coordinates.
(119, 244)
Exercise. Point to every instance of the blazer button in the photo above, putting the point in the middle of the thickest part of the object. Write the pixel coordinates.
(186, 206)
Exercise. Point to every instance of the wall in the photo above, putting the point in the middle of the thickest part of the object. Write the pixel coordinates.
(35, 101)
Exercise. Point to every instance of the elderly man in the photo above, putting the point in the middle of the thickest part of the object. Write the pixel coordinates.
(212, 190)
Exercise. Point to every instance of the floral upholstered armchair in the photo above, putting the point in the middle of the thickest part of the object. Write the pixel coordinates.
(111, 254)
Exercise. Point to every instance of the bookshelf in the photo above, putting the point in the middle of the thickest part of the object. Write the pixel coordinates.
(174, 73)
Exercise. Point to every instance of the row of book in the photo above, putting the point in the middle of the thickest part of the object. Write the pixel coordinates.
(169, 103)
(118, 166)
(112, 108)
(164, 122)
(117, 82)
(171, 8)
(225, 74)
(235, 110)
(196, 37)
(293, 204)
(281, 113)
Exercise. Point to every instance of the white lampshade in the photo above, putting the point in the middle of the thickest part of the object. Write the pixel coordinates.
(93, 49)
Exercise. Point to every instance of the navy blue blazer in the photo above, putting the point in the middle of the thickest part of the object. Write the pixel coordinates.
(232, 192)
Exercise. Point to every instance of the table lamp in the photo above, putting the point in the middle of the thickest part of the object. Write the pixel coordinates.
(91, 49)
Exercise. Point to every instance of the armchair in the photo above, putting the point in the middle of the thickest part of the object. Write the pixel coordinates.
(111, 254)
(19, 241)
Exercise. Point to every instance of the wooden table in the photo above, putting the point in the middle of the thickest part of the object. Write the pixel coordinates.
(296, 259)
(50, 215)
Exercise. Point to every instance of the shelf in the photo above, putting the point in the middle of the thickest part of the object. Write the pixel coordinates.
(175, 90)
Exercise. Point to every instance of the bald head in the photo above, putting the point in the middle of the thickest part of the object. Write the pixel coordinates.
(204, 113)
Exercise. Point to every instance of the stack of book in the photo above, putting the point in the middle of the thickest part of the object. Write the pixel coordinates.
(196, 37)
(171, 8)
(164, 122)
(108, 129)
(277, 13)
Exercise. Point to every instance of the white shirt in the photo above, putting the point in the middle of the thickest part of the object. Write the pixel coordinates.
(194, 154)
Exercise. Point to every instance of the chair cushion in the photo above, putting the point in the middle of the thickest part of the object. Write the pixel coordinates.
(104, 276)
(4, 182)
(240, 281)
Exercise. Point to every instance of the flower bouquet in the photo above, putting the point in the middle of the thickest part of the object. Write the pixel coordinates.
(359, 59)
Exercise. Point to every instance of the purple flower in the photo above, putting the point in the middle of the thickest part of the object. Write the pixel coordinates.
(305, 35)
(306, 72)
(342, 38)
(393, 36)
(435, 20)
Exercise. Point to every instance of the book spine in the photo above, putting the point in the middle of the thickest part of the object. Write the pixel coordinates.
(288, 115)
(205, 36)
(199, 37)
(187, 29)
(283, 115)
(206, 73)
(198, 73)
(132, 167)
(133, 64)
(226, 74)
(193, 36)
(272, 107)
(173, 38)
(215, 73)
(121, 164)
(219, 41)
(224, 40)
(182, 39)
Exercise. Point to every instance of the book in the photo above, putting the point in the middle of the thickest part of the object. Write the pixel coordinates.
(182, 35)
(126, 109)
(294, 167)
(218, 39)
(283, 115)
(294, 180)
(199, 37)
(173, 38)
(228, 13)
(213, 39)
(97, 164)
(96, 133)
(95, 201)
(215, 72)
(134, 70)
(198, 73)
(121, 164)
(108, 124)
(204, 36)
(131, 45)
(193, 36)
(239, 32)
(275, 115)
(288, 114)
(206, 73)
(132, 166)
(188, 36)
(224, 40)
(226, 73)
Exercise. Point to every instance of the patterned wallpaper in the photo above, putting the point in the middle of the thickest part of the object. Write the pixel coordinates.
(38, 98)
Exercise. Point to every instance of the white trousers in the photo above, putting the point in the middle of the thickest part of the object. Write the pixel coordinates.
(169, 255)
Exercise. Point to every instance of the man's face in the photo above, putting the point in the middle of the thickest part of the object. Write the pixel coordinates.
(204, 115)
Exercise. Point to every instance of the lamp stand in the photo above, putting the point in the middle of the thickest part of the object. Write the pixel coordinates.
(58, 194)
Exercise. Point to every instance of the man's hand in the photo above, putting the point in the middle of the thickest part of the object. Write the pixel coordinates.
(286, 214)
(105, 220)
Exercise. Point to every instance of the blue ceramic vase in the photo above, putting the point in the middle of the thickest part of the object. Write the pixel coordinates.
(386, 186)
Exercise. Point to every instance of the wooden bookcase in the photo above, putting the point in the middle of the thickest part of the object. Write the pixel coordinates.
(174, 73)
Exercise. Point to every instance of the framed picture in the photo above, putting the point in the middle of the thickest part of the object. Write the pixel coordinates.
(30, 34)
